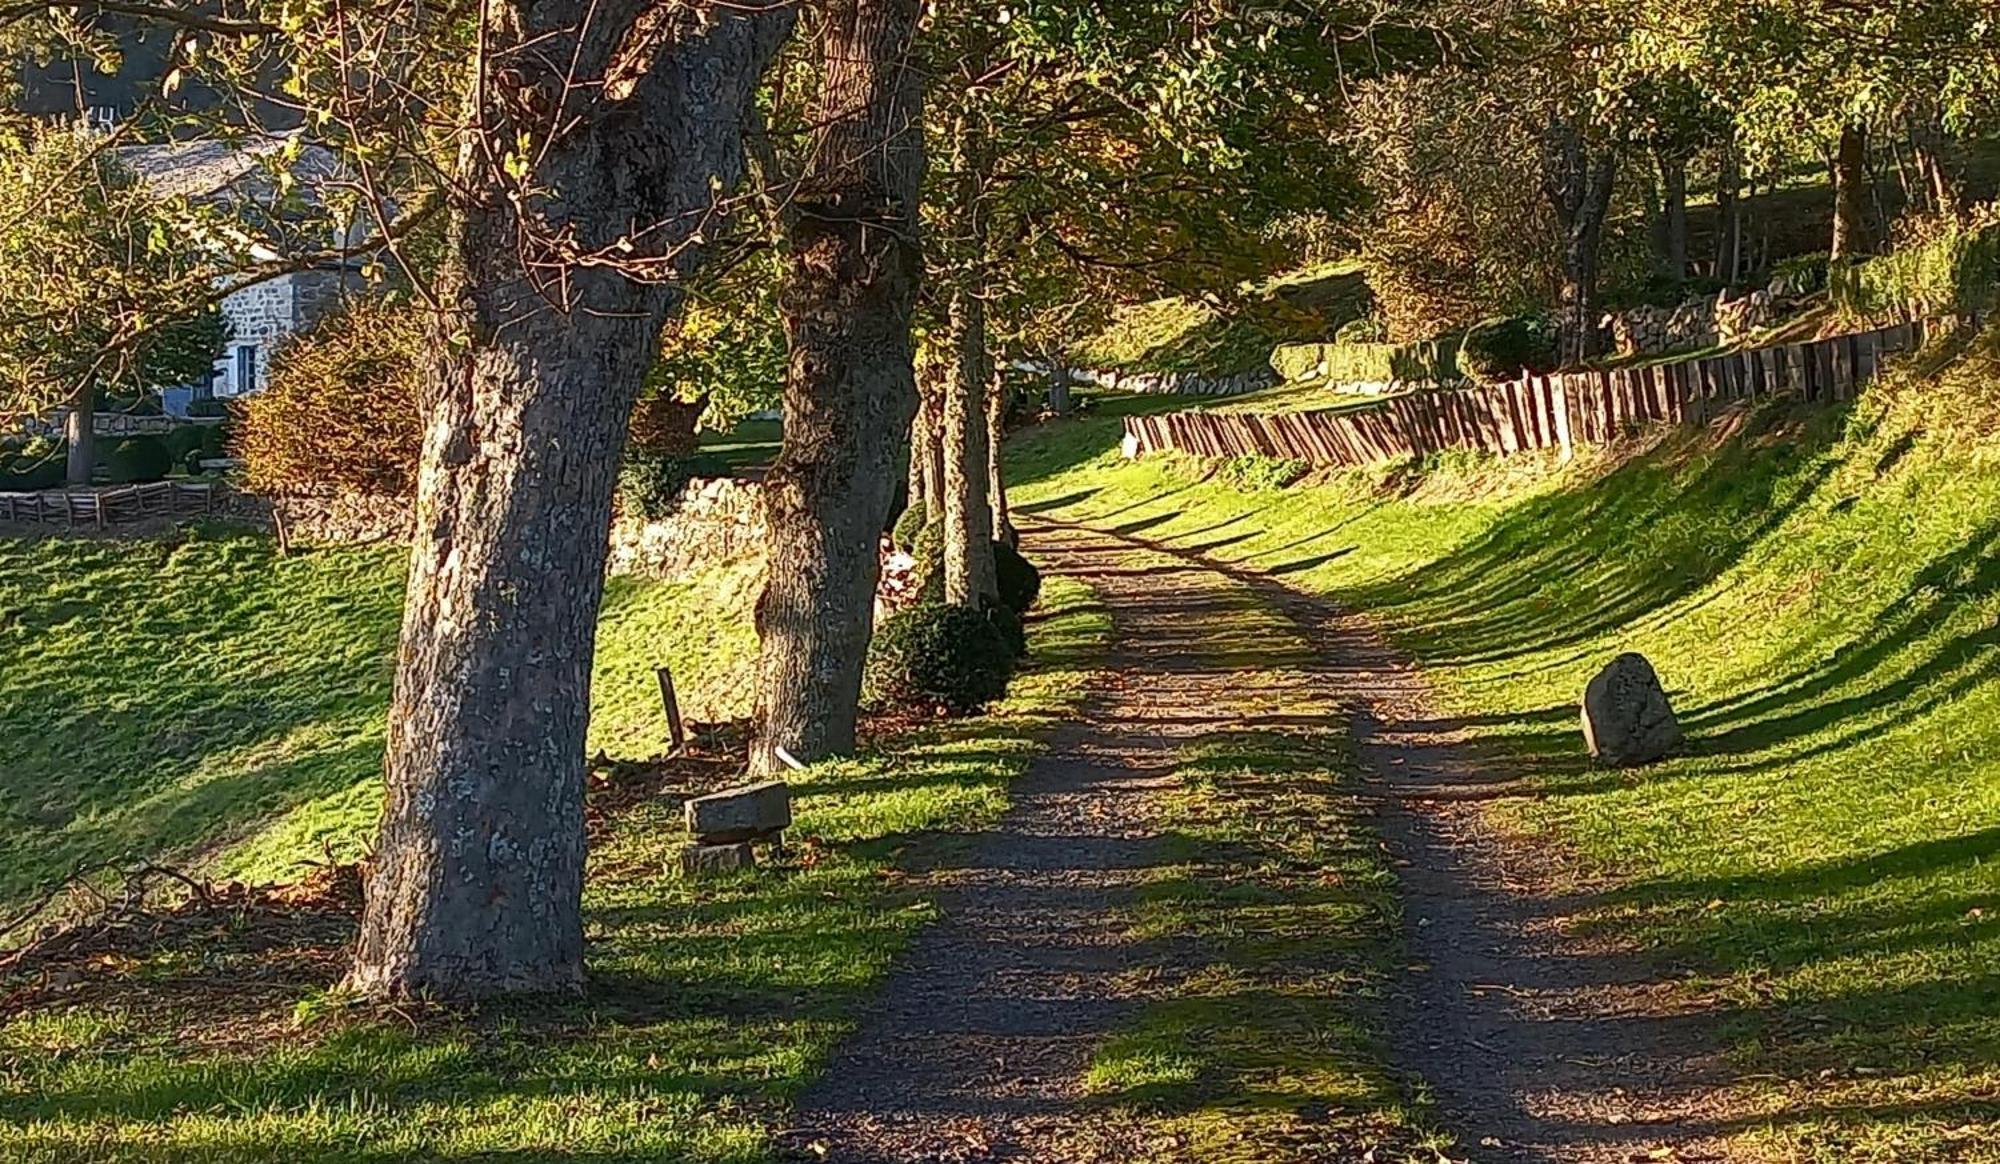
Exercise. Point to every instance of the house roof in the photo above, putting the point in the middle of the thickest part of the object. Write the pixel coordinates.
(207, 167)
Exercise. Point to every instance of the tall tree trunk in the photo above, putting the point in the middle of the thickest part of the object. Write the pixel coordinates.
(969, 578)
(477, 881)
(996, 480)
(1728, 216)
(1938, 163)
(855, 263)
(927, 438)
(80, 431)
(1850, 193)
(1674, 217)
(1577, 181)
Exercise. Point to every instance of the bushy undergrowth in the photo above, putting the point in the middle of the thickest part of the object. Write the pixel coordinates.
(935, 654)
(1502, 348)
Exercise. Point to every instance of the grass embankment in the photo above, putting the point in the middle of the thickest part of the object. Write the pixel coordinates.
(1820, 592)
(1181, 334)
(1270, 1049)
(190, 694)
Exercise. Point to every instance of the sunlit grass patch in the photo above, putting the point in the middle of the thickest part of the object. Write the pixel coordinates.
(1820, 590)
(711, 1003)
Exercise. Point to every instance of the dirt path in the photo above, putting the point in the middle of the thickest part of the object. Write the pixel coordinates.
(1537, 1045)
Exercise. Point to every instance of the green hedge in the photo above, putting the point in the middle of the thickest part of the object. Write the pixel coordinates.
(1425, 361)
(1954, 274)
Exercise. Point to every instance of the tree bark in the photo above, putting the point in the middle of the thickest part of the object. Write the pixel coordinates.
(1850, 193)
(969, 578)
(477, 881)
(996, 478)
(855, 265)
(1938, 164)
(1728, 216)
(1674, 217)
(1577, 182)
(80, 432)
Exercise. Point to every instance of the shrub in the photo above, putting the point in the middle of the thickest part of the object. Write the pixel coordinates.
(137, 459)
(191, 444)
(340, 412)
(1011, 628)
(650, 483)
(909, 527)
(38, 464)
(1503, 347)
(1020, 583)
(1802, 274)
(939, 655)
(1956, 272)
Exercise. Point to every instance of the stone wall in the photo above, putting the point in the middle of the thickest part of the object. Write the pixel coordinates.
(719, 519)
(1696, 324)
(1177, 383)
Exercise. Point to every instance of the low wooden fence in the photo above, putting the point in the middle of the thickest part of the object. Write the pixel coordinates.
(103, 508)
(1557, 411)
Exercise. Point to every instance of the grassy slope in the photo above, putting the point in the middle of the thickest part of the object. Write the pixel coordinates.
(1822, 598)
(161, 698)
(1178, 334)
(712, 1003)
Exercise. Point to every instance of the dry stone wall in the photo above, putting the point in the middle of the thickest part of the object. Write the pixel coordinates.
(719, 519)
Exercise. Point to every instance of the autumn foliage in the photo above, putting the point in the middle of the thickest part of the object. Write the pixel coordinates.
(340, 412)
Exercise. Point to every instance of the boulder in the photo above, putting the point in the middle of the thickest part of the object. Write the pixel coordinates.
(1627, 720)
(741, 814)
(710, 860)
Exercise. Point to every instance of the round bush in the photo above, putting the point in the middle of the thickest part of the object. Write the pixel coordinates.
(1020, 583)
(909, 527)
(138, 459)
(934, 654)
(340, 412)
(650, 483)
(1504, 347)
(39, 464)
(1011, 629)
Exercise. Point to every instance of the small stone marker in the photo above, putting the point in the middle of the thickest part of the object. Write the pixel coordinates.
(741, 814)
(707, 860)
(1627, 720)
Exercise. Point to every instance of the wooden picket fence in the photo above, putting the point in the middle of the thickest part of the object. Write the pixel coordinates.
(103, 508)
(1558, 411)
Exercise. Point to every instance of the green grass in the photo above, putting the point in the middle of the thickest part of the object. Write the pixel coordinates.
(711, 1005)
(1271, 1049)
(206, 696)
(752, 444)
(1821, 594)
(1179, 334)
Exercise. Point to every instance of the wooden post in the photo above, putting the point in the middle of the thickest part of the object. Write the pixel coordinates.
(676, 732)
(278, 524)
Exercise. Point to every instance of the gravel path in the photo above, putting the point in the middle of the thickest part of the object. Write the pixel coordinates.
(1538, 1044)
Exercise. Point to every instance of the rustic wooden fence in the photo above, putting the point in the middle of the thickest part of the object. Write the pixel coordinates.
(1558, 411)
(103, 508)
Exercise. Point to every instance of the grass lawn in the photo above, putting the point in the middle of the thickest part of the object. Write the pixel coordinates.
(752, 444)
(1821, 593)
(207, 697)
(711, 1004)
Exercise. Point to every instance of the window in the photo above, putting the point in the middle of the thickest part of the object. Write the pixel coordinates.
(204, 388)
(246, 369)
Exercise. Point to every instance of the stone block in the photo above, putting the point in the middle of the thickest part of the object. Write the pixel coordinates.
(1627, 720)
(741, 814)
(711, 860)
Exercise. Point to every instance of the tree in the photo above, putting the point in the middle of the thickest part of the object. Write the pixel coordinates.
(106, 283)
(582, 154)
(854, 263)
